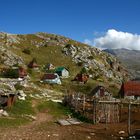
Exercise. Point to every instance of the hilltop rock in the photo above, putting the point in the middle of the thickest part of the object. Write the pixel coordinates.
(7, 57)
(104, 64)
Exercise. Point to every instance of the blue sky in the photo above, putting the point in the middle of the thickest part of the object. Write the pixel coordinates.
(77, 19)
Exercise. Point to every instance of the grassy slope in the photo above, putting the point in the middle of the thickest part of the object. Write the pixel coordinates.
(54, 55)
(17, 114)
(44, 55)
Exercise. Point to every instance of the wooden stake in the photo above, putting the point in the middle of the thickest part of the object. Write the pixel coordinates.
(129, 118)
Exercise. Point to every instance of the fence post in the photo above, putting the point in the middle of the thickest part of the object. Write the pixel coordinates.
(129, 118)
(76, 102)
(84, 104)
(94, 111)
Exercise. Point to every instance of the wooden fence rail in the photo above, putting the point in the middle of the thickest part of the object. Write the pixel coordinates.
(98, 111)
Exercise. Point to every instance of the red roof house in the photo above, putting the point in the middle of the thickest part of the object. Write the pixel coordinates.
(81, 78)
(100, 92)
(131, 89)
(33, 64)
(22, 72)
(51, 78)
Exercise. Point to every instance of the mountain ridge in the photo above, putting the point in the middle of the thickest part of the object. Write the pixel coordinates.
(130, 58)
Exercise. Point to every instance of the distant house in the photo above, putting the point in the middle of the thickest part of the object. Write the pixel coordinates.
(130, 89)
(50, 66)
(22, 72)
(106, 108)
(100, 92)
(7, 100)
(81, 78)
(33, 64)
(51, 78)
(62, 72)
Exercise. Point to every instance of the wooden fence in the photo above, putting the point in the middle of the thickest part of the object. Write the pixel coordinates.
(98, 111)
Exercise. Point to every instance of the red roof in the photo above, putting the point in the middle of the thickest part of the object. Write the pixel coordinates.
(49, 76)
(81, 77)
(131, 88)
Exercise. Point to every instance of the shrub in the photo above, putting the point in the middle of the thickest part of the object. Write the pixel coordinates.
(11, 73)
(90, 57)
(80, 63)
(83, 70)
(27, 51)
(18, 86)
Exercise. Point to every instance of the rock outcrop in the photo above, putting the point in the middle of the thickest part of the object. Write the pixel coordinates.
(102, 64)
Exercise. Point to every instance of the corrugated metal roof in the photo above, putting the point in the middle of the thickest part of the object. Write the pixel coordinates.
(49, 76)
(60, 68)
(131, 88)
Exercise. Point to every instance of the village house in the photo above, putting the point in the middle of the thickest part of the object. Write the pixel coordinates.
(50, 66)
(106, 108)
(22, 72)
(62, 72)
(130, 90)
(51, 78)
(100, 92)
(33, 64)
(81, 78)
(7, 100)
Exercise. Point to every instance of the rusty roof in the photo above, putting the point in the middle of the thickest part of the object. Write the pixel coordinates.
(50, 76)
(131, 88)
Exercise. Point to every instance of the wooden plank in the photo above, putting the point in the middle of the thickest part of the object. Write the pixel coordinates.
(69, 121)
(63, 122)
(73, 121)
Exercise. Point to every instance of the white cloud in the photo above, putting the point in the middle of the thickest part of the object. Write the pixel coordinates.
(115, 40)
(87, 41)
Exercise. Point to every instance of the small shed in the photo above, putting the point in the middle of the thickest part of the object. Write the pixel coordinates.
(22, 72)
(62, 72)
(105, 107)
(50, 66)
(7, 100)
(51, 78)
(100, 92)
(81, 78)
(130, 89)
(33, 64)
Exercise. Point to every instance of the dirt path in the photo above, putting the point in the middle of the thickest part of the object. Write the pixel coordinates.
(28, 131)
(41, 117)
(47, 131)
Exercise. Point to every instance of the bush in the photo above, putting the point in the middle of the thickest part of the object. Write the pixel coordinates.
(11, 73)
(83, 70)
(80, 63)
(27, 51)
(18, 86)
(90, 57)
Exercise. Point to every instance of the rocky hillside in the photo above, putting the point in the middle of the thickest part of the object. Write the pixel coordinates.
(130, 58)
(60, 51)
